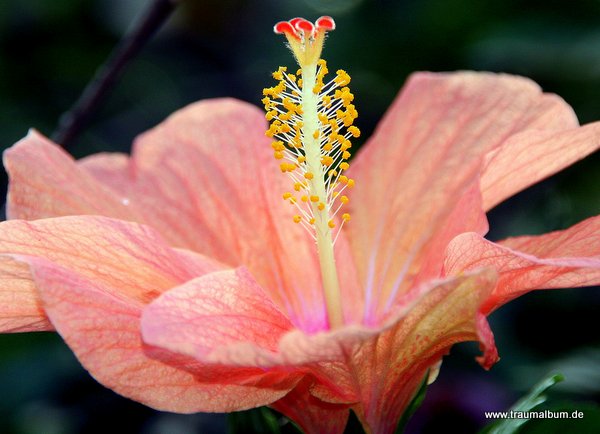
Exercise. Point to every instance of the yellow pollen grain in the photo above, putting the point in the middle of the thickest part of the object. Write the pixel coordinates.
(327, 160)
(278, 146)
(354, 131)
(316, 134)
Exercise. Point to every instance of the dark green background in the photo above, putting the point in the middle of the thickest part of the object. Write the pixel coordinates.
(50, 49)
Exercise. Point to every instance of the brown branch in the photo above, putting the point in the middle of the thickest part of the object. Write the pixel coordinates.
(72, 122)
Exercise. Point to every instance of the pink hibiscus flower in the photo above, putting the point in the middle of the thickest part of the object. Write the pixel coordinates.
(180, 280)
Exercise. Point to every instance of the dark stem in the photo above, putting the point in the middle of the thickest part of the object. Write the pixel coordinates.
(76, 119)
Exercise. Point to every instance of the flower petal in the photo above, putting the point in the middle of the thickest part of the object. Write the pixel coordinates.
(45, 182)
(380, 368)
(532, 156)
(220, 309)
(205, 179)
(389, 368)
(20, 306)
(424, 156)
(104, 333)
(562, 259)
(310, 413)
(131, 258)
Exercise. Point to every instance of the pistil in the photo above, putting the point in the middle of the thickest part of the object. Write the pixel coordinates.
(307, 119)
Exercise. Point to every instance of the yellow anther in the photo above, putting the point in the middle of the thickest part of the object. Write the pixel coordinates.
(334, 126)
(297, 219)
(287, 195)
(288, 104)
(309, 175)
(350, 183)
(316, 134)
(331, 224)
(345, 155)
(300, 83)
(292, 78)
(278, 155)
(326, 160)
(321, 206)
(344, 166)
(343, 179)
(328, 146)
(346, 217)
(314, 198)
(304, 198)
(342, 78)
(344, 199)
(278, 75)
(323, 118)
(278, 145)
(332, 173)
(354, 131)
(298, 186)
(326, 100)
(312, 221)
(273, 129)
(321, 62)
(301, 159)
(285, 128)
(345, 145)
(317, 88)
(293, 200)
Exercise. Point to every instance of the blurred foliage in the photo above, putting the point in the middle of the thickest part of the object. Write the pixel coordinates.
(50, 49)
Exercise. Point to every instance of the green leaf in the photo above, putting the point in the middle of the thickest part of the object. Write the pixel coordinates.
(583, 418)
(260, 420)
(534, 398)
(413, 406)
